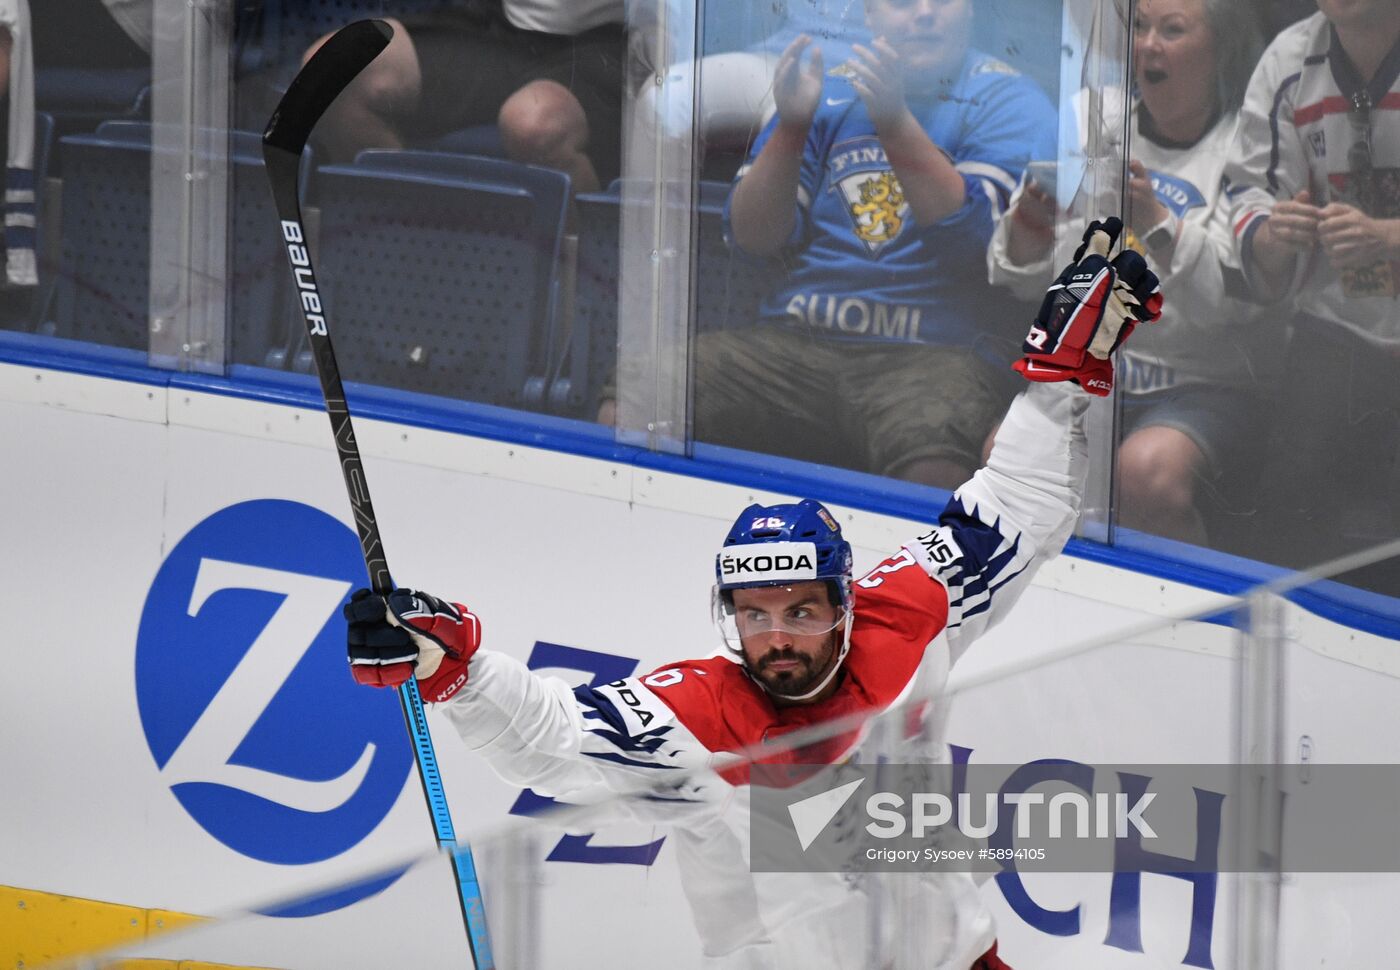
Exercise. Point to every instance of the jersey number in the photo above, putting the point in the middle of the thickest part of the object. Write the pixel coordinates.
(892, 565)
(664, 678)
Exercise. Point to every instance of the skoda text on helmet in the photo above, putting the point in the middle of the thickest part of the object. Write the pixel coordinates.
(780, 545)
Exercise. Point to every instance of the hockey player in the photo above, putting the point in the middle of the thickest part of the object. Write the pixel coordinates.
(807, 642)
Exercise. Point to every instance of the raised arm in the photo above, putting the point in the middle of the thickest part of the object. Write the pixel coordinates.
(1020, 509)
(763, 208)
(535, 731)
(932, 186)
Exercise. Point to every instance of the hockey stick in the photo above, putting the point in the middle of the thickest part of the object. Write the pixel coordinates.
(311, 92)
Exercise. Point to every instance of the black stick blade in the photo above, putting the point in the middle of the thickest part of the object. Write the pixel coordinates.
(347, 53)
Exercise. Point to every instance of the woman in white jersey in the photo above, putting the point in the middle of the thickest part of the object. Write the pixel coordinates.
(1195, 388)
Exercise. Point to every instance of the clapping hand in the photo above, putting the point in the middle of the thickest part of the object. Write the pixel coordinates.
(797, 87)
(879, 80)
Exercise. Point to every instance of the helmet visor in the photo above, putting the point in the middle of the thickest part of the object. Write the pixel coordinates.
(735, 623)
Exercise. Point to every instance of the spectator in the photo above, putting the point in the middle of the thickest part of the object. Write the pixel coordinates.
(879, 181)
(1194, 388)
(548, 72)
(736, 87)
(17, 93)
(1316, 189)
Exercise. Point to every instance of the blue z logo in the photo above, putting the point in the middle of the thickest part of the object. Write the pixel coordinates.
(241, 686)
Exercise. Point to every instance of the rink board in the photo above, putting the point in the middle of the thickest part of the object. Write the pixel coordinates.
(178, 545)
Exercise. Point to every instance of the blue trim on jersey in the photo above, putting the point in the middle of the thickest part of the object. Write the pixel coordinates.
(979, 586)
(596, 705)
(1190, 565)
(623, 742)
(982, 563)
(1276, 151)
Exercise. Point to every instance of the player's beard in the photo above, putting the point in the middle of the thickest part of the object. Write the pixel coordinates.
(802, 678)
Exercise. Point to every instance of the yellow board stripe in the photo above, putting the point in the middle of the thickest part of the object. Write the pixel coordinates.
(145, 964)
(38, 928)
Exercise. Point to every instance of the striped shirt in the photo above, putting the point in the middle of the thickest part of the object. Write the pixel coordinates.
(1311, 122)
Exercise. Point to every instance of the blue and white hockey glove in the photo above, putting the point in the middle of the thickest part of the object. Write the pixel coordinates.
(1088, 311)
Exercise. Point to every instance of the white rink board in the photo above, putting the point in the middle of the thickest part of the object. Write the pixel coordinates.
(110, 484)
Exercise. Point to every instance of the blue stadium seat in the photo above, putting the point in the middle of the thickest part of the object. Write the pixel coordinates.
(104, 279)
(242, 145)
(80, 98)
(709, 193)
(593, 342)
(439, 273)
(476, 140)
(729, 287)
(732, 283)
(550, 188)
(713, 194)
(43, 144)
(104, 266)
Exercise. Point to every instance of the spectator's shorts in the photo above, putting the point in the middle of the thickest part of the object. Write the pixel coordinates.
(471, 65)
(1230, 425)
(870, 407)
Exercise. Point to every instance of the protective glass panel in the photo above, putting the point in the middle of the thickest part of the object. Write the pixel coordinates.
(437, 195)
(1319, 679)
(1261, 418)
(76, 209)
(846, 203)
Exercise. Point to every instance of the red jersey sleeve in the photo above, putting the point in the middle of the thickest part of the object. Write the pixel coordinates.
(715, 700)
(899, 610)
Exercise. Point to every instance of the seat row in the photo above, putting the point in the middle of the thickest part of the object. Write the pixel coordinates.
(443, 273)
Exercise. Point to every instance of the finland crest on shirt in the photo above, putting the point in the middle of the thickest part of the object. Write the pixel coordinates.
(860, 171)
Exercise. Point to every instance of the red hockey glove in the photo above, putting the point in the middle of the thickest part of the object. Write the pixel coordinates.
(417, 635)
(1088, 311)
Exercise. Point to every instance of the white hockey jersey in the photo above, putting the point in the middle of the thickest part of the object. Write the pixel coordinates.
(1210, 331)
(913, 616)
(1305, 121)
